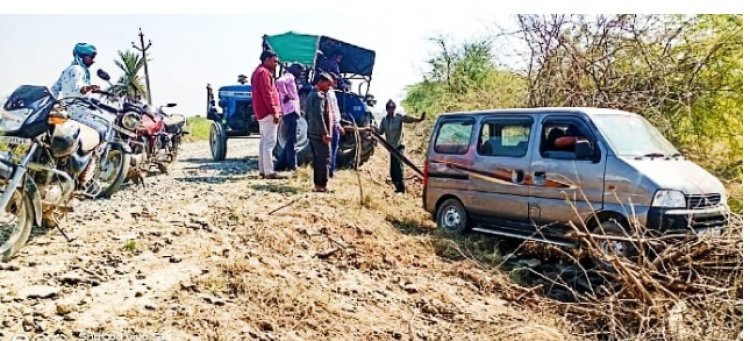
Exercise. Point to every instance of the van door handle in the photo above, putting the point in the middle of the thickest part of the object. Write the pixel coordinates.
(539, 178)
(517, 176)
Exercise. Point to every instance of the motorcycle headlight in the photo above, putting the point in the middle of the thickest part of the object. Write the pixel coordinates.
(130, 121)
(11, 120)
(669, 198)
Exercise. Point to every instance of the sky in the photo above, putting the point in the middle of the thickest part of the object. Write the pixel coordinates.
(190, 51)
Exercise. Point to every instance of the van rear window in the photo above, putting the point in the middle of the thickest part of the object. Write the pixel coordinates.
(454, 137)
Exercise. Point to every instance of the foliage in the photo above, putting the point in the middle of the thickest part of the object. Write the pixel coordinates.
(199, 128)
(130, 83)
(464, 78)
(683, 73)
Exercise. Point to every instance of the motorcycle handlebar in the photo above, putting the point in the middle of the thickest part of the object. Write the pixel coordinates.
(105, 93)
(104, 107)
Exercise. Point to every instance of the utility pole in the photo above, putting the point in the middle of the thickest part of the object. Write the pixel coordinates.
(143, 49)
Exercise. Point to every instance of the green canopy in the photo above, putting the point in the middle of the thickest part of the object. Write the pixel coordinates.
(293, 47)
(302, 48)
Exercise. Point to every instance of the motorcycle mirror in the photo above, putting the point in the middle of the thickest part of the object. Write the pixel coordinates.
(103, 75)
(171, 105)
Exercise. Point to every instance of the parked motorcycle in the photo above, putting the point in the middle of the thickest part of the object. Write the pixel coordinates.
(162, 134)
(114, 157)
(153, 135)
(46, 159)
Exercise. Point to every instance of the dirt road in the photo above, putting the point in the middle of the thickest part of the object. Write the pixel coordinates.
(212, 252)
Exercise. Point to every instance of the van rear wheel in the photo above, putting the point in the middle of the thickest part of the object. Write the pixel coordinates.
(452, 218)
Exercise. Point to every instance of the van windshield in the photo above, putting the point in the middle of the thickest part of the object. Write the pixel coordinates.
(632, 135)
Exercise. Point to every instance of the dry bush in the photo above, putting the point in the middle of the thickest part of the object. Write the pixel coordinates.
(685, 287)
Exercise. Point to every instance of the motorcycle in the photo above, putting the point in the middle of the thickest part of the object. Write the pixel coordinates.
(153, 135)
(46, 159)
(163, 133)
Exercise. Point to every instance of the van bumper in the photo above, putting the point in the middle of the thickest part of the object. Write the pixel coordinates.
(671, 220)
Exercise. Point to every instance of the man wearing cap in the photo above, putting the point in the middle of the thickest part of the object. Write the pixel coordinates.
(267, 109)
(290, 107)
(392, 125)
(330, 64)
(319, 127)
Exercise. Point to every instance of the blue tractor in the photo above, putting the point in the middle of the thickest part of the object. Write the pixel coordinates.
(236, 118)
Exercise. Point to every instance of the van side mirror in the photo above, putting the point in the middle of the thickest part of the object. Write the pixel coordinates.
(584, 150)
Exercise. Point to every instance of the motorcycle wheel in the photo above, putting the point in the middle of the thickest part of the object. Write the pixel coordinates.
(14, 233)
(112, 174)
(172, 154)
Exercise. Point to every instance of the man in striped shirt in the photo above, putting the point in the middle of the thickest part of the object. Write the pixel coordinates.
(290, 108)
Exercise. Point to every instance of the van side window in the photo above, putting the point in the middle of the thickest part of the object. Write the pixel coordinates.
(504, 139)
(559, 139)
(454, 137)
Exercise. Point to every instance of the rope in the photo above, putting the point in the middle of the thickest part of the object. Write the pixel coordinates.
(357, 150)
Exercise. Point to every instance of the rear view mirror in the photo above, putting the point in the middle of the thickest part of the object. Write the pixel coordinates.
(171, 105)
(584, 150)
(103, 75)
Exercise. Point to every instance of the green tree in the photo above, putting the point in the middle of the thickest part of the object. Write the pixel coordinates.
(683, 73)
(130, 83)
(464, 78)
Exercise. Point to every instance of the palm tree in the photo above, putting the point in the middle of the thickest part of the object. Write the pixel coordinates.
(130, 83)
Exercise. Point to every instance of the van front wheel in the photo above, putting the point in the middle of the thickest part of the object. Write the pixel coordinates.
(611, 249)
(452, 218)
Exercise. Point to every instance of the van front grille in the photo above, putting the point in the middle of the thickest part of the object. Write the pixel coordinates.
(701, 200)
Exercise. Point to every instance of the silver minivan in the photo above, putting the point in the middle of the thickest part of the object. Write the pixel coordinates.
(531, 173)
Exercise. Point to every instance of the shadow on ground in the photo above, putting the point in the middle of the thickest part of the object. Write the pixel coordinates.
(556, 272)
(206, 170)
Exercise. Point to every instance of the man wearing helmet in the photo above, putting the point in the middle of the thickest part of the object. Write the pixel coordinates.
(75, 80)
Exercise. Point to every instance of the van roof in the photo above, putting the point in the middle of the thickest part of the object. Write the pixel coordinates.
(589, 111)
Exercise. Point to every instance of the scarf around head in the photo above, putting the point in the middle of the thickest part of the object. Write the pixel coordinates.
(77, 60)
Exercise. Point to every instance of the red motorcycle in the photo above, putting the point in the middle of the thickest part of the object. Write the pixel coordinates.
(154, 136)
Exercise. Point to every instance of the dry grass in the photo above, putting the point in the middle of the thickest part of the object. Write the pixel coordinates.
(322, 266)
(302, 265)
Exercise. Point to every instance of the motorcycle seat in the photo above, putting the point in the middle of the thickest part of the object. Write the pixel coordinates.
(173, 123)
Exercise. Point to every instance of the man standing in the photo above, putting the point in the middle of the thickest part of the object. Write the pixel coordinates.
(267, 111)
(392, 125)
(290, 106)
(337, 130)
(319, 126)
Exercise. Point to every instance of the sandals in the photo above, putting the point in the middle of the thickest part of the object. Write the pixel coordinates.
(321, 190)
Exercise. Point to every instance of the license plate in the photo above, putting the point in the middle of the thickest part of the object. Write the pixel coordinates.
(13, 140)
(711, 231)
(13, 149)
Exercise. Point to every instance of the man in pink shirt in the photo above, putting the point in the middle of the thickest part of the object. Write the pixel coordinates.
(290, 107)
(267, 110)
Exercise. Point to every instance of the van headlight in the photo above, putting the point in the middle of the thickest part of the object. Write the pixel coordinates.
(669, 198)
